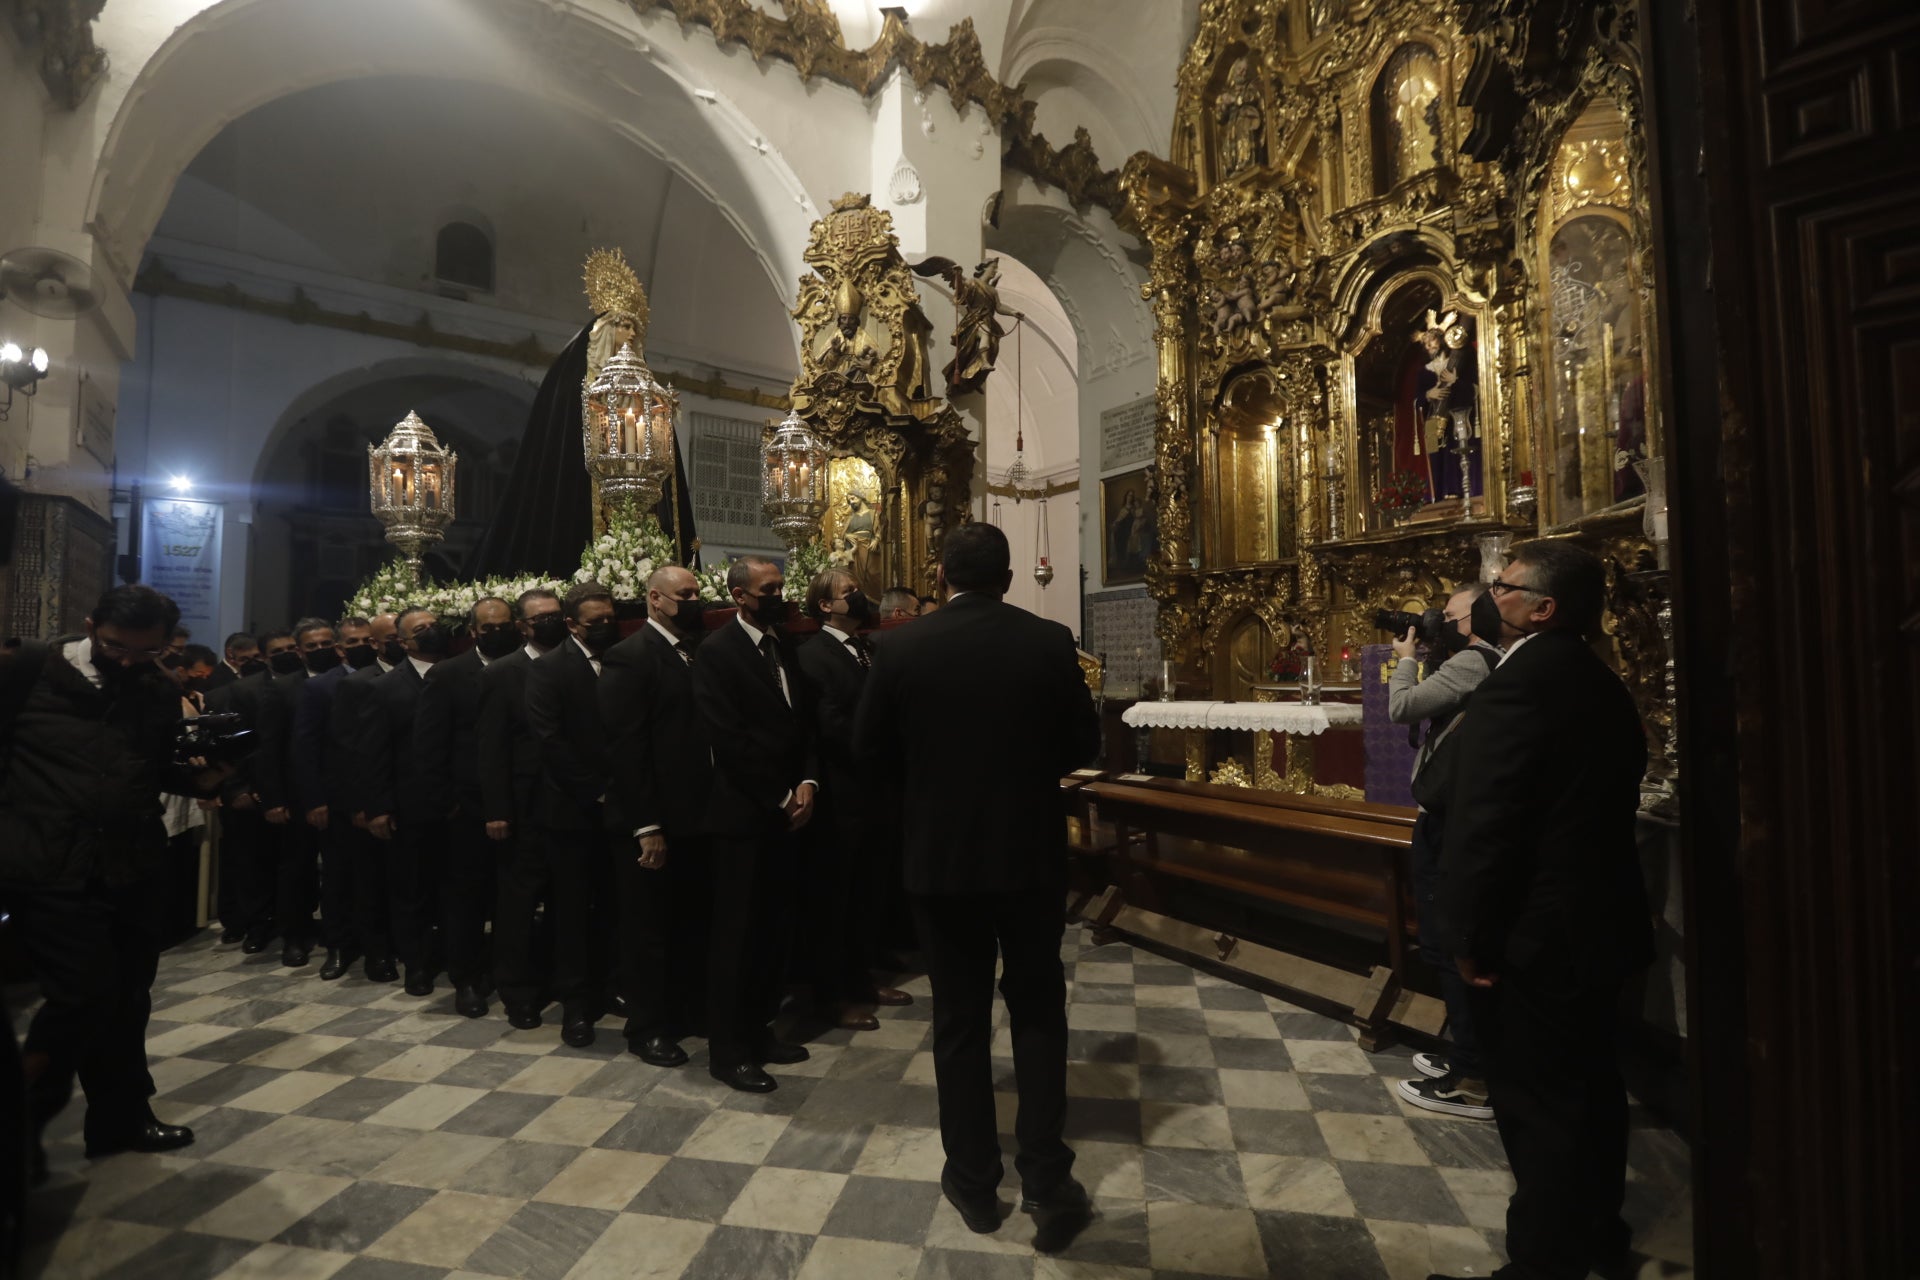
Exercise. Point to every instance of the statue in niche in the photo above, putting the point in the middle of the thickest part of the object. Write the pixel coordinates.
(1234, 303)
(976, 329)
(1447, 407)
(849, 348)
(1242, 120)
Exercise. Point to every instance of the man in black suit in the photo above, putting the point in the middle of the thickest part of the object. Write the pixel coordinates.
(246, 844)
(354, 895)
(399, 809)
(1544, 907)
(662, 766)
(297, 891)
(242, 651)
(444, 738)
(313, 707)
(847, 876)
(563, 710)
(984, 847)
(750, 690)
(508, 759)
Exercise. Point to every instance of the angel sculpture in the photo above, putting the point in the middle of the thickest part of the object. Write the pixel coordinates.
(976, 329)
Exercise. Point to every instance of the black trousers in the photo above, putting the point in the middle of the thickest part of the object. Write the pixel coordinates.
(416, 858)
(581, 913)
(662, 937)
(95, 954)
(296, 878)
(1554, 1075)
(467, 899)
(1465, 1057)
(843, 902)
(248, 845)
(354, 903)
(960, 935)
(755, 883)
(524, 881)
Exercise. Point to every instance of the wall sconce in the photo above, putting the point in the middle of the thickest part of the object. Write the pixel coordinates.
(20, 371)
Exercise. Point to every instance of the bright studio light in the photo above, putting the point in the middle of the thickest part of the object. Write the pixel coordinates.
(181, 484)
(40, 360)
(9, 353)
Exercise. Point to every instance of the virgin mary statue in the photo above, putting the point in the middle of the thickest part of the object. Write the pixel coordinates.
(546, 516)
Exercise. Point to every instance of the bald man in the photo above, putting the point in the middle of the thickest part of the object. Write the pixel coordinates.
(662, 766)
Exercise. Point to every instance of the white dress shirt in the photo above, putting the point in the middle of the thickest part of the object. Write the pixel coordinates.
(79, 656)
(590, 658)
(420, 668)
(533, 654)
(846, 639)
(1515, 646)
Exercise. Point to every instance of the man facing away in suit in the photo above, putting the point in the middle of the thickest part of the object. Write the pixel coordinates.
(662, 769)
(563, 710)
(1544, 907)
(443, 737)
(400, 812)
(353, 865)
(984, 846)
(847, 877)
(749, 689)
(509, 765)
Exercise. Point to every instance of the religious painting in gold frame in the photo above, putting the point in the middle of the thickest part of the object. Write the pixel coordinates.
(1129, 533)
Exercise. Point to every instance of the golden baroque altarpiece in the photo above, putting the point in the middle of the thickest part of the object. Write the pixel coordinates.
(1402, 281)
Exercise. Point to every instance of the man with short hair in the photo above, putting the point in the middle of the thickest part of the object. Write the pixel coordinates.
(1544, 906)
(197, 665)
(983, 843)
(399, 811)
(508, 760)
(661, 770)
(750, 691)
(897, 604)
(449, 767)
(177, 642)
(353, 885)
(928, 604)
(242, 658)
(563, 711)
(87, 733)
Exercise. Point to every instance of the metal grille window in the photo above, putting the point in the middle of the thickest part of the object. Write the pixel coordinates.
(726, 482)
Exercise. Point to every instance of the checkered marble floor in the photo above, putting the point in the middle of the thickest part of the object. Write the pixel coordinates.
(349, 1131)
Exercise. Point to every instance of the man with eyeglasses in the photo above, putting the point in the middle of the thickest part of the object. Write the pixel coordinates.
(87, 731)
(1543, 904)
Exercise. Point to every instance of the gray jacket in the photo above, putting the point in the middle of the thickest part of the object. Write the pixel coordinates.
(1441, 696)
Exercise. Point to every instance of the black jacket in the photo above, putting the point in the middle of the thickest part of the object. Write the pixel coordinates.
(1540, 863)
(762, 747)
(563, 710)
(506, 755)
(223, 675)
(83, 770)
(246, 698)
(346, 767)
(393, 782)
(660, 760)
(443, 735)
(312, 743)
(273, 758)
(981, 789)
(835, 680)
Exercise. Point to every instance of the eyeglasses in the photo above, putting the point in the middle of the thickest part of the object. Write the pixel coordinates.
(1500, 588)
(117, 651)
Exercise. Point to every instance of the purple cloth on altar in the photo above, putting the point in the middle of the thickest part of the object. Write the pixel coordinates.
(1389, 758)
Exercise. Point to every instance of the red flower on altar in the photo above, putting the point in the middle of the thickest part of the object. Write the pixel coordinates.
(1401, 491)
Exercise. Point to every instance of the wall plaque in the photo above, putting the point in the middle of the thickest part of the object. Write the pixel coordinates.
(1126, 434)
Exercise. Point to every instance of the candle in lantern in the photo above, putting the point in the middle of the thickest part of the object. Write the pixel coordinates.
(629, 429)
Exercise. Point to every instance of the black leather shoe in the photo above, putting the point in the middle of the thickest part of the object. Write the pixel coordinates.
(295, 955)
(659, 1051)
(230, 936)
(619, 1005)
(256, 942)
(338, 962)
(150, 1136)
(747, 1078)
(982, 1214)
(1058, 1216)
(523, 1017)
(576, 1025)
(419, 982)
(382, 970)
(782, 1054)
(469, 1003)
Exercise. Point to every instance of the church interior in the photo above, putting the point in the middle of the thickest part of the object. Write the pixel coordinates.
(1262, 329)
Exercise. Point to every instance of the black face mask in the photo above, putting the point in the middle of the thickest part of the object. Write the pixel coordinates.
(548, 630)
(173, 662)
(321, 661)
(769, 611)
(687, 616)
(497, 644)
(1451, 640)
(1486, 620)
(361, 656)
(859, 608)
(394, 652)
(197, 684)
(286, 662)
(600, 636)
(252, 666)
(432, 641)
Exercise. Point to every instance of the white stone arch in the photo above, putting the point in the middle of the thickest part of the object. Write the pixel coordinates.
(594, 61)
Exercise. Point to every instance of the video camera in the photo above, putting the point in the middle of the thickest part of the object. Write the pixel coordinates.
(1429, 628)
(217, 738)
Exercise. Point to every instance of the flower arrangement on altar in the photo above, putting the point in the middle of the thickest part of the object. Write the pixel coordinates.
(1401, 492)
(625, 556)
(804, 562)
(1290, 663)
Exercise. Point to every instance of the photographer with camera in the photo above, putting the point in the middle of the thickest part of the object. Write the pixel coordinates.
(1457, 661)
(90, 728)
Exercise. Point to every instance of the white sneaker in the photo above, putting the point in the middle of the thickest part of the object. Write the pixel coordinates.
(1432, 1065)
(1447, 1097)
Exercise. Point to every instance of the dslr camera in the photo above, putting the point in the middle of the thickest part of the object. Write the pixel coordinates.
(1429, 628)
(217, 738)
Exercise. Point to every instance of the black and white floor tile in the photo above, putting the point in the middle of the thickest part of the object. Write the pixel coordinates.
(347, 1131)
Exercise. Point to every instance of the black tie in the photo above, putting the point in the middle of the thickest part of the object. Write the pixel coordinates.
(686, 654)
(859, 647)
(773, 662)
